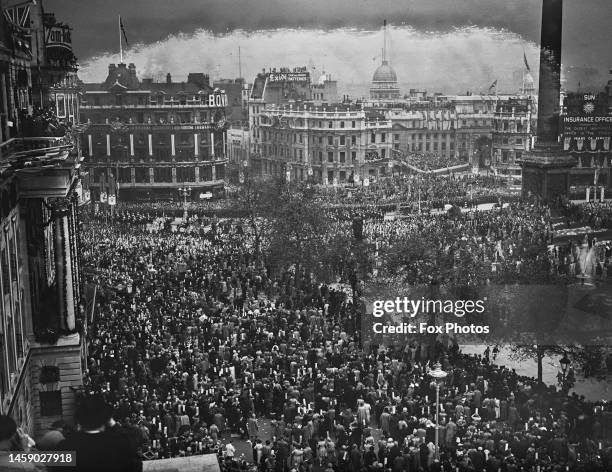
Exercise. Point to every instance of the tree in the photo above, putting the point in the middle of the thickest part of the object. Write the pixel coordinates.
(290, 227)
(301, 232)
(254, 197)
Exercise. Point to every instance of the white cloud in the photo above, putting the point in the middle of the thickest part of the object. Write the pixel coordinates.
(468, 58)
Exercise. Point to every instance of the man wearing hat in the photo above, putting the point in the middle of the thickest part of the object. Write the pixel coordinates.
(99, 444)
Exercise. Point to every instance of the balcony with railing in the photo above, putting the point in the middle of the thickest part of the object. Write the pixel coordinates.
(31, 152)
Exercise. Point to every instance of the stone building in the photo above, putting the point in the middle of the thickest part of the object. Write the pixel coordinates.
(154, 137)
(333, 144)
(513, 126)
(427, 130)
(42, 343)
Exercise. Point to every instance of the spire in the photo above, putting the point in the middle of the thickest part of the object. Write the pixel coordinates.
(384, 58)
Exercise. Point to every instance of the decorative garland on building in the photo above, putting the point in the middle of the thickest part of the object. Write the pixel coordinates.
(71, 242)
(78, 242)
(64, 308)
(43, 242)
(76, 268)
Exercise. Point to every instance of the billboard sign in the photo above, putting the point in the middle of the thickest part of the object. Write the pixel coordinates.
(585, 127)
(586, 133)
(58, 36)
(289, 77)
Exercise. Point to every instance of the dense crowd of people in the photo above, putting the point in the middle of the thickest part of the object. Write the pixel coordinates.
(194, 338)
(432, 191)
(490, 245)
(597, 215)
(428, 191)
(429, 161)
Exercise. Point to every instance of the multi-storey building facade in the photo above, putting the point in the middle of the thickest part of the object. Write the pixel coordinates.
(475, 115)
(428, 130)
(238, 144)
(42, 350)
(280, 87)
(512, 136)
(325, 90)
(237, 107)
(329, 145)
(154, 137)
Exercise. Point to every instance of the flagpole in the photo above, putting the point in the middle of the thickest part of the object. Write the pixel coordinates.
(120, 43)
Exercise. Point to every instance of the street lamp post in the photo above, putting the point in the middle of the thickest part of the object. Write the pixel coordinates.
(438, 375)
(184, 192)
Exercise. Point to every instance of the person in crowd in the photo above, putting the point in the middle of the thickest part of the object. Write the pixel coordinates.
(195, 337)
(99, 443)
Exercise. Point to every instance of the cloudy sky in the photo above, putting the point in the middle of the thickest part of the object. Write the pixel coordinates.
(446, 45)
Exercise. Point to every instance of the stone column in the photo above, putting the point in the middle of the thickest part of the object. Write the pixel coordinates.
(64, 262)
(550, 71)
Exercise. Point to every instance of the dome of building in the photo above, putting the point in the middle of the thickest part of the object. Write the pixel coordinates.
(384, 73)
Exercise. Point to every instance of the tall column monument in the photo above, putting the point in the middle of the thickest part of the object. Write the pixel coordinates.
(546, 167)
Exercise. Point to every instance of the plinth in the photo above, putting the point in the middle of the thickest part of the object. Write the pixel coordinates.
(546, 171)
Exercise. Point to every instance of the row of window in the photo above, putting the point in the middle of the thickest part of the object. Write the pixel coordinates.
(331, 139)
(159, 154)
(515, 127)
(415, 136)
(159, 99)
(301, 174)
(12, 340)
(158, 117)
(509, 157)
(508, 140)
(430, 147)
(128, 175)
(180, 139)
